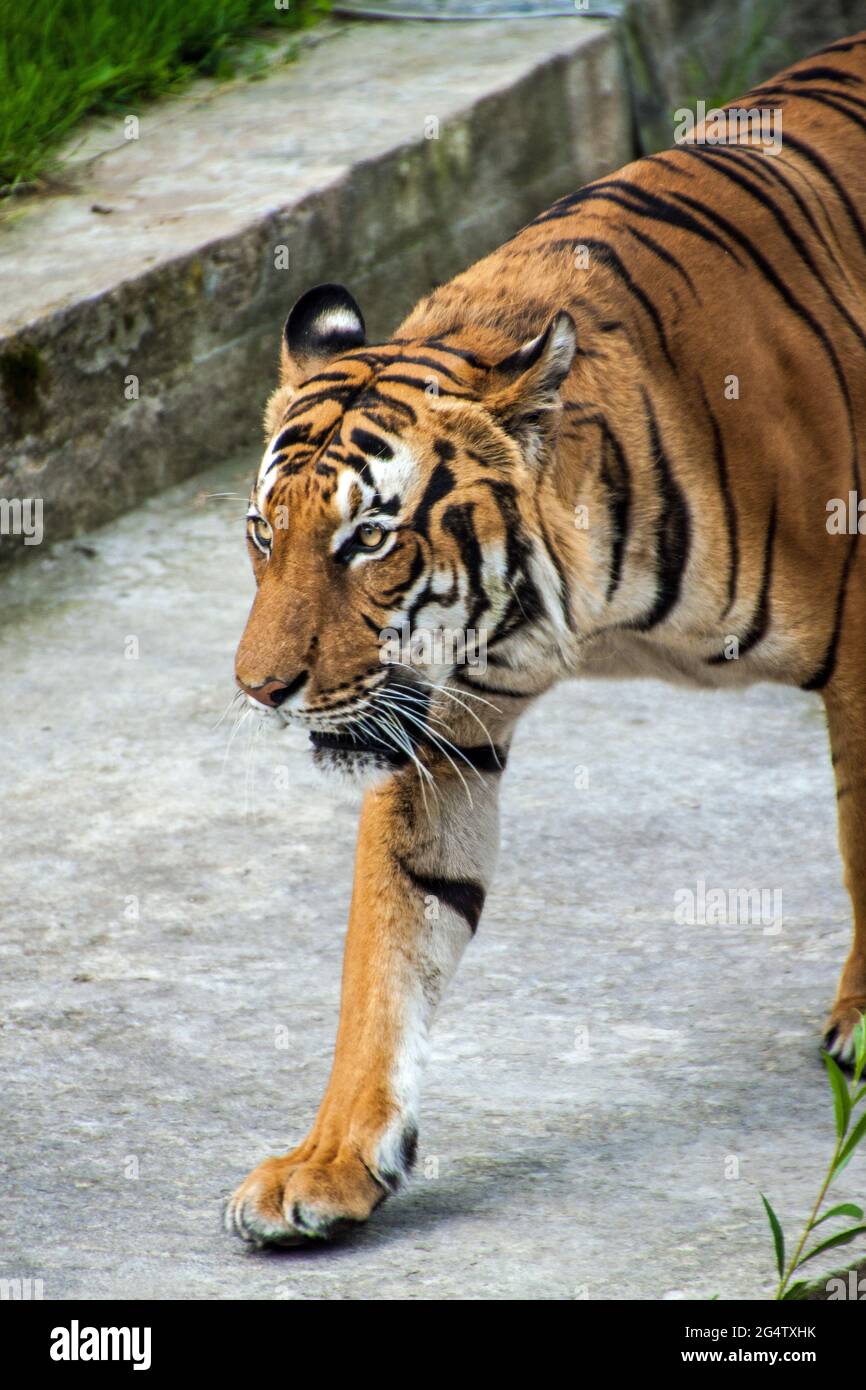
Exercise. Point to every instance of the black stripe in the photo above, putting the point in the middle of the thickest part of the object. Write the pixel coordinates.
(843, 46)
(420, 361)
(673, 530)
(610, 258)
(783, 290)
(335, 395)
(294, 434)
(471, 357)
(371, 444)
(768, 170)
(398, 590)
(373, 394)
(400, 379)
(663, 210)
(618, 484)
(463, 895)
(484, 757)
(393, 1178)
(729, 505)
(483, 688)
(663, 255)
(496, 464)
(389, 423)
(564, 588)
(457, 521)
(833, 100)
(440, 483)
(361, 465)
(817, 73)
(811, 156)
(757, 629)
(797, 94)
(379, 359)
(524, 607)
(718, 160)
(801, 312)
(505, 498)
(638, 200)
(670, 161)
(828, 665)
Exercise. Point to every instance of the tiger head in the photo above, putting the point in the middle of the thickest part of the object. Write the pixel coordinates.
(393, 526)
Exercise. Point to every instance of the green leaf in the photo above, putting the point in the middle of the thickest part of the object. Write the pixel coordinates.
(778, 1236)
(851, 1143)
(859, 1049)
(843, 1209)
(795, 1290)
(841, 1238)
(841, 1097)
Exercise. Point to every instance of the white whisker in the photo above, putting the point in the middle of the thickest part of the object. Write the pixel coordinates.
(235, 700)
(446, 690)
(440, 743)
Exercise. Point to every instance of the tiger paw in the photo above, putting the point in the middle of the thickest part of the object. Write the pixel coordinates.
(839, 1034)
(285, 1201)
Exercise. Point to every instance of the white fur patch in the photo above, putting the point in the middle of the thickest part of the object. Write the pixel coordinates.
(339, 319)
(397, 473)
(268, 472)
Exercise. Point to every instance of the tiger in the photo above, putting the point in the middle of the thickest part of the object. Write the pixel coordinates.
(613, 447)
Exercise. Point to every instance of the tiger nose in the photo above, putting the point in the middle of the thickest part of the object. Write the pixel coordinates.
(273, 692)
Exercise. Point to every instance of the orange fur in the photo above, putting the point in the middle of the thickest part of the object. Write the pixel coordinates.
(602, 503)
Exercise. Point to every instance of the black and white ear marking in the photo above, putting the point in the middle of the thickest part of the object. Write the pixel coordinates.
(324, 323)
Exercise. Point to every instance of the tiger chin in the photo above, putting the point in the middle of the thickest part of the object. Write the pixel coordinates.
(348, 769)
(614, 464)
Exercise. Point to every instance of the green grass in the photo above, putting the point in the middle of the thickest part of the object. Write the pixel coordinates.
(61, 60)
(751, 50)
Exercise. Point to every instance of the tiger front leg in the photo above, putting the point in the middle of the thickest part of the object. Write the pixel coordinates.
(421, 873)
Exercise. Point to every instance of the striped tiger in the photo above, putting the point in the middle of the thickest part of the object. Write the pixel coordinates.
(616, 446)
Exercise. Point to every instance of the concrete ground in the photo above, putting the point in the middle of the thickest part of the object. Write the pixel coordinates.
(609, 1088)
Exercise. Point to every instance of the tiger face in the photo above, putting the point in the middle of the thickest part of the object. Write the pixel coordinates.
(389, 526)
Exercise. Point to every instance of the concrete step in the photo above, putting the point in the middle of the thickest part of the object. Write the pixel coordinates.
(140, 304)
(141, 313)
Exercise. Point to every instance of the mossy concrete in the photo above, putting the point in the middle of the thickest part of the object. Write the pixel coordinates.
(679, 52)
(141, 300)
(141, 312)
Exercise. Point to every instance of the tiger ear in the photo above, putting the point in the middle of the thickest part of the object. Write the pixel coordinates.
(523, 389)
(324, 323)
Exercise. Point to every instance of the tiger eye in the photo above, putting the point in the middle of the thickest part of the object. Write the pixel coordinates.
(371, 536)
(262, 531)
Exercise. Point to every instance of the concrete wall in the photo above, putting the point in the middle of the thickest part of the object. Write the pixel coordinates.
(159, 260)
(200, 329)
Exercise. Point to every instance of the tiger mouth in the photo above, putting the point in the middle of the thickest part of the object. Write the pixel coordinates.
(346, 741)
(387, 742)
